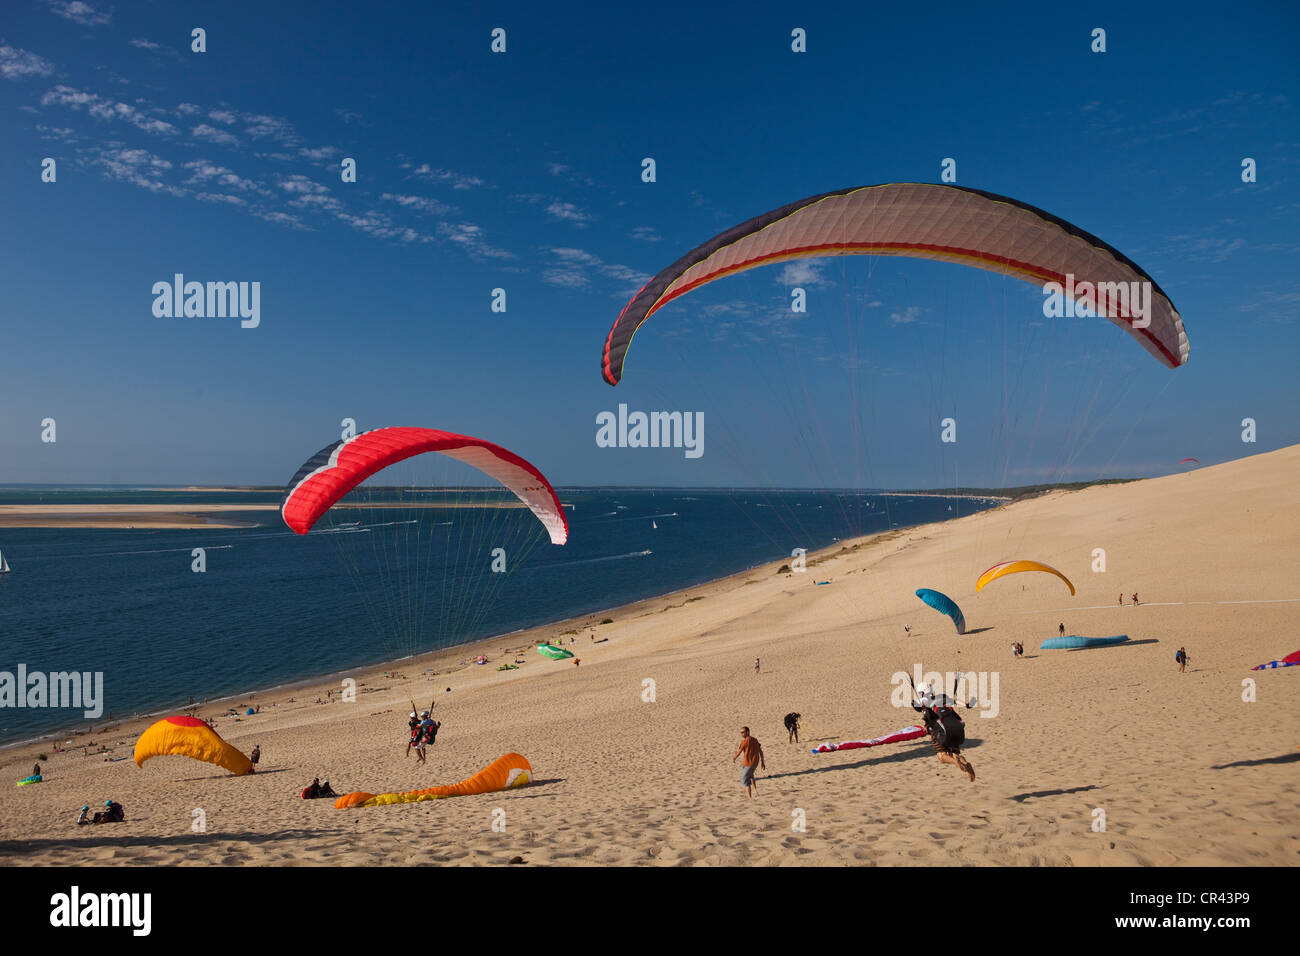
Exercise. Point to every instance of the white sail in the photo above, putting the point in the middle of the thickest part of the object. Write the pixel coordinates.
(4, 565)
(654, 525)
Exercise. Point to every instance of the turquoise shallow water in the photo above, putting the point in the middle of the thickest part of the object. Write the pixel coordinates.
(273, 607)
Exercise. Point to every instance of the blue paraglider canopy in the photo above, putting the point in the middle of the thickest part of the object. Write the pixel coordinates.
(944, 605)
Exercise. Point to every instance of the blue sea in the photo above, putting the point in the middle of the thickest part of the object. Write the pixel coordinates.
(272, 607)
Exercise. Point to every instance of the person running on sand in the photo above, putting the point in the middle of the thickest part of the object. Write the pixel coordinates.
(792, 725)
(1182, 659)
(1135, 598)
(753, 751)
(947, 731)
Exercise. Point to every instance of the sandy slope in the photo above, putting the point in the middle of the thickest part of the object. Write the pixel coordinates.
(1184, 770)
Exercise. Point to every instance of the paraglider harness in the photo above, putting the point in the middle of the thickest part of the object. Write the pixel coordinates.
(947, 731)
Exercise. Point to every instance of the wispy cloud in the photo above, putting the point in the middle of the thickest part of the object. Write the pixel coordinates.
(443, 176)
(106, 109)
(577, 269)
(210, 134)
(470, 238)
(16, 64)
(139, 167)
(802, 272)
(906, 317)
(568, 212)
(79, 12)
(424, 204)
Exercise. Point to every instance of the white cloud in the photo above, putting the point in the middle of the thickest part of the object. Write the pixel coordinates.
(568, 212)
(909, 315)
(138, 167)
(419, 203)
(802, 272)
(435, 175)
(210, 134)
(16, 64)
(105, 109)
(79, 12)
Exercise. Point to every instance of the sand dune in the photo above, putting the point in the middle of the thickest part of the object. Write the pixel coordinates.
(1184, 770)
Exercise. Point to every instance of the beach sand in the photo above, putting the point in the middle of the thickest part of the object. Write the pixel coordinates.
(1179, 766)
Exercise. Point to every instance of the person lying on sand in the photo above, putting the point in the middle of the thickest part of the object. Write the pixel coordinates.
(947, 731)
(753, 751)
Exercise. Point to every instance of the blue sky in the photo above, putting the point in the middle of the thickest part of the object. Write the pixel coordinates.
(522, 171)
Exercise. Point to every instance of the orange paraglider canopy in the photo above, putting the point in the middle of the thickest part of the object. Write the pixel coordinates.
(505, 772)
(189, 737)
(1015, 567)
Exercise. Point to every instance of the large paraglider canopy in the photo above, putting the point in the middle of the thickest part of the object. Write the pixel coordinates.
(927, 221)
(1015, 567)
(339, 467)
(944, 605)
(184, 736)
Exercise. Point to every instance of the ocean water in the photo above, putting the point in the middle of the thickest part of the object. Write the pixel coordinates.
(273, 607)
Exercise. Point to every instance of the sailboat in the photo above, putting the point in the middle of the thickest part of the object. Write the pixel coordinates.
(654, 526)
(4, 565)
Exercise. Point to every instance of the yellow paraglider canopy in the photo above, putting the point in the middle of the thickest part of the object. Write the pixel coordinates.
(189, 737)
(1014, 567)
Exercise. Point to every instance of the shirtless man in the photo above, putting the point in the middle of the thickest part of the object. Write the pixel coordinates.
(753, 751)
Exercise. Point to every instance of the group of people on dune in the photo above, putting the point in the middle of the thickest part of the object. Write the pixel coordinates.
(946, 730)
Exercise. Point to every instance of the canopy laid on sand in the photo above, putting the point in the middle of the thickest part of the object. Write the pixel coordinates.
(907, 733)
(504, 773)
(1015, 567)
(924, 221)
(944, 605)
(1291, 660)
(189, 737)
(553, 652)
(1073, 641)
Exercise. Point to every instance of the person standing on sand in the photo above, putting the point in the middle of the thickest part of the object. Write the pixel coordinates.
(753, 751)
(1121, 598)
(792, 726)
(1135, 599)
(756, 663)
(1060, 629)
(255, 756)
(413, 732)
(1182, 659)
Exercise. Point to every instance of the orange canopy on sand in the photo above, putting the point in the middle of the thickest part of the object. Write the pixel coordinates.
(505, 772)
